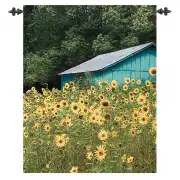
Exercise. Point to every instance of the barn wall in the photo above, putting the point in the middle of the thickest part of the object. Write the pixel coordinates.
(136, 67)
(66, 78)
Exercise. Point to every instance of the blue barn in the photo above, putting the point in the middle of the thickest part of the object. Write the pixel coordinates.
(133, 62)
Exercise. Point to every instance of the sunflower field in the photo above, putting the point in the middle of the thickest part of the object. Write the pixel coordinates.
(107, 128)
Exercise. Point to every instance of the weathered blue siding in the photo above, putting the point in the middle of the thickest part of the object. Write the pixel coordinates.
(136, 67)
(66, 78)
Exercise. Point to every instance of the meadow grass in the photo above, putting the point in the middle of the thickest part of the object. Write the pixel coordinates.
(106, 128)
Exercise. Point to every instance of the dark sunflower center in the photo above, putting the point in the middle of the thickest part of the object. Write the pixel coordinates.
(153, 71)
(60, 141)
(145, 109)
(105, 103)
(80, 116)
(107, 116)
(58, 106)
(75, 107)
(100, 153)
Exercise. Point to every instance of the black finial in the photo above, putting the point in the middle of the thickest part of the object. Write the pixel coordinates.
(13, 11)
(165, 11)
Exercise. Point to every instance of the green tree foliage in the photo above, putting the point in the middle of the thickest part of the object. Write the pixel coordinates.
(59, 37)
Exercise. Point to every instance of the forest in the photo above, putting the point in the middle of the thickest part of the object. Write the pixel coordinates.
(59, 37)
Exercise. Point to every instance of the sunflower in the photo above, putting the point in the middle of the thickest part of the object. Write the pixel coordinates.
(25, 117)
(148, 83)
(131, 93)
(153, 85)
(63, 103)
(73, 88)
(125, 87)
(103, 135)
(91, 108)
(141, 99)
(139, 131)
(100, 83)
(100, 120)
(64, 96)
(33, 88)
(114, 133)
(100, 153)
(61, 140)
(130, 159)
(117, 118)
(123, 158)
(39, 111)
(93, 88)
(24, 150)
(86, 98)
(101, 96)
(143, 119)
(152, 71)
(109, 89)
(89, 92)
(68, 122)
(57, 106)
(71, 83)
(133, 81)
(85, 110)
(105, 103)
(97, 112)
(154, 104)
(62, 122)
(89, 155)
(136, 90)
(47, 127)
(36, 125)
(74, 107)
(107, 117)
(92, 118)
(132, 132)
(147, 94)
(113, 97)
(74, 169)
(154, 124)
(56, 113)
(25, 134)
(138, 82)
(66, 86)
(114, 84)
(127, 80)
(81, 101)
(124, 124)
(131, 99)
(145, 109)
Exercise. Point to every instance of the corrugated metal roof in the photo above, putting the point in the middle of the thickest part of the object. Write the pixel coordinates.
(105, 60)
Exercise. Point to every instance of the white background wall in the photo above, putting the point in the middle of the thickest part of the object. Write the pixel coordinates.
(11, 93)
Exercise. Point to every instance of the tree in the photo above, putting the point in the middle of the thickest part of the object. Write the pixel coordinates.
(57, 38)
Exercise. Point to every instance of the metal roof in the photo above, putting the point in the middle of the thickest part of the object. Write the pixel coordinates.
(105, 60)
